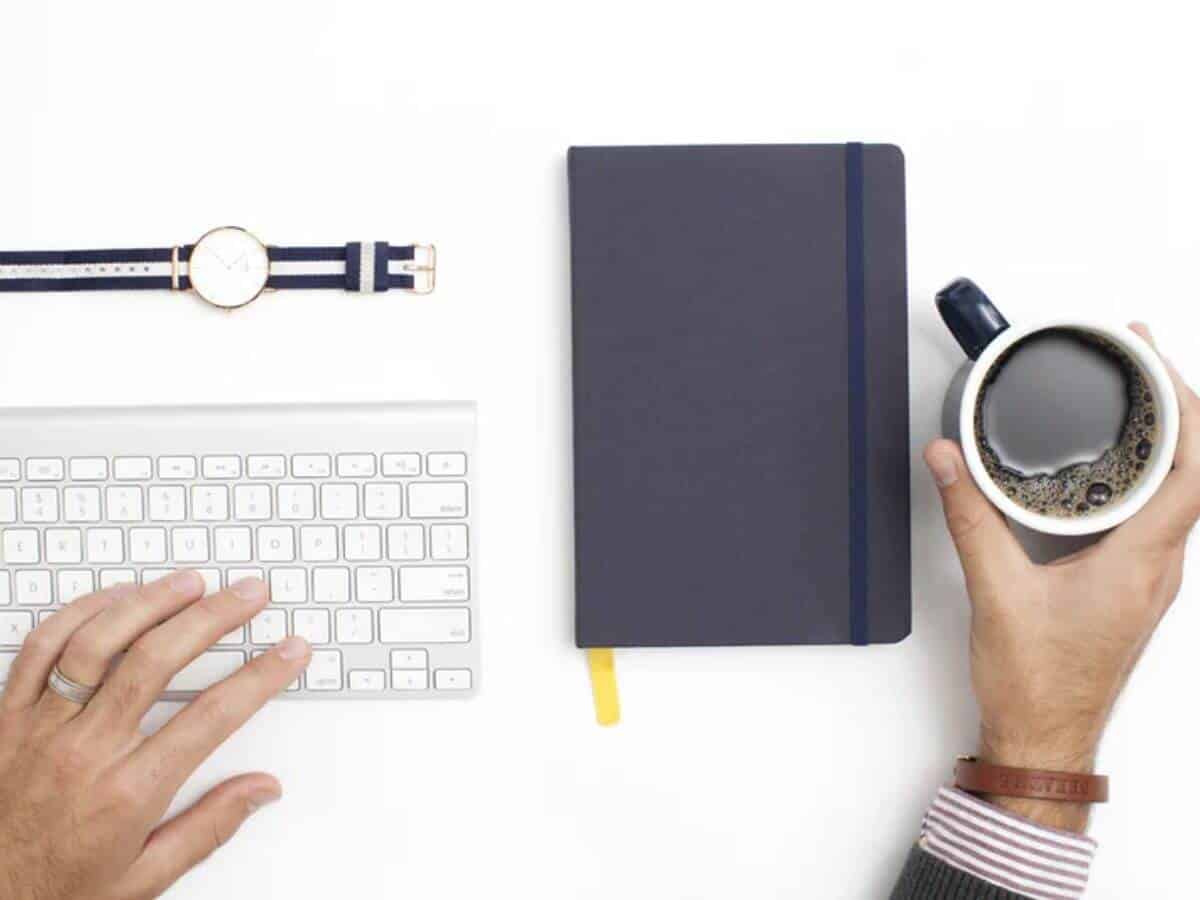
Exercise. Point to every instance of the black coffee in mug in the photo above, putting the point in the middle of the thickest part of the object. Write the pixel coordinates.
(1065, 422)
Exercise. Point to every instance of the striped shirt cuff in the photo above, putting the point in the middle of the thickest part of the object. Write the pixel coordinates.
(1005, 849)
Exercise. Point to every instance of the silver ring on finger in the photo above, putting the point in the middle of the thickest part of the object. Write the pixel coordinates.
(69, 690)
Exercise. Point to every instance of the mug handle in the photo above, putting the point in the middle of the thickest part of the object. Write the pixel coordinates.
(970, 315)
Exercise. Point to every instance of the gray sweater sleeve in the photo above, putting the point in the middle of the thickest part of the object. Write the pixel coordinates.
(926, 877)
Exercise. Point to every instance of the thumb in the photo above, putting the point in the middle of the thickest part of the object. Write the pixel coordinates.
(182, 843)
(987, 548)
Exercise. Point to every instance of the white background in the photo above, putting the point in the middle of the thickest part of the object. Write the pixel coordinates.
(1052, 155)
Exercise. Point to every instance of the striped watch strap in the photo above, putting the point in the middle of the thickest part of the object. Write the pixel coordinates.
(364, 267)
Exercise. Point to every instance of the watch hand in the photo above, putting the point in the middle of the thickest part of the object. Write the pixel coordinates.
(218, 256)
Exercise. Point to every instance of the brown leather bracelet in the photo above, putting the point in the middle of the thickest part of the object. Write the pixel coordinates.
(977, 777)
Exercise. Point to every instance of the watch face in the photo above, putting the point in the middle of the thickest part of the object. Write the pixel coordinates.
(229, 267)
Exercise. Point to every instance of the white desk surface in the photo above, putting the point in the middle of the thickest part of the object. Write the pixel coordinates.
(1051, 156)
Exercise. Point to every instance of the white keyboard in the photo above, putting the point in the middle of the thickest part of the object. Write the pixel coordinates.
(357, 516)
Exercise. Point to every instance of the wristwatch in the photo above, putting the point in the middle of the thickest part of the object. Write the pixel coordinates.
(228, 267)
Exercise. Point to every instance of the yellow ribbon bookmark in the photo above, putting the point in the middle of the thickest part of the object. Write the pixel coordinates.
(604, 686)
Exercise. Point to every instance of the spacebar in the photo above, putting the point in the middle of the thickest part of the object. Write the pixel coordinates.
(207, 669)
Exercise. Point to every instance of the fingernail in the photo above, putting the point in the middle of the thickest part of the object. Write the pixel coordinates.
(187, 582)
(944, 471)
(293, 647)
(253, 589)
(261, 798)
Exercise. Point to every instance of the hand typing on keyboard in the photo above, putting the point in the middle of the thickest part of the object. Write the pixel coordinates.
(82, 791)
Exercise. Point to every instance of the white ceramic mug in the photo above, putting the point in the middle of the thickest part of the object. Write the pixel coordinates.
(984, 335)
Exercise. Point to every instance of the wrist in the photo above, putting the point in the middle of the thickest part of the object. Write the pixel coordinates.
(1077, 756)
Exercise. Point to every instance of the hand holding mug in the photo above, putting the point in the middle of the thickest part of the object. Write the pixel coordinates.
(1053, 645)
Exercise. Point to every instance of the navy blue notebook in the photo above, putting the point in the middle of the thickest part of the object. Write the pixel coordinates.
(740, 395)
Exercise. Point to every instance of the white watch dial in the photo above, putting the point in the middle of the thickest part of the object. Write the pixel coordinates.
(229, 267)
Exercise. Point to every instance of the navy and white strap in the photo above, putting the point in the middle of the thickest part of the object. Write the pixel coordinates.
(363, 267)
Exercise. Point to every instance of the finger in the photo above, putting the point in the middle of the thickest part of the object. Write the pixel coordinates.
(177, 846)
(91, 650)
(1172, 511)
(158, 655)
(45, 644)
(187, 740)
(987, 548)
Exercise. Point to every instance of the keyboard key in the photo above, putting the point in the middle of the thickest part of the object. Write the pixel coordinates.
(233, 576)
(339, 501)
(448, 542)
(325, 671)
(424, 626)
(354, 626)
(252, 502)
(44, 470)
(105, 545)
(266, 467)
(312, 625)
(6, 661)
(14, 628)
(297, 502)
(5, 589)
(237, 636)
(381, 501)
(33, 588)
(311, 465)
(190, 545)
(207, 669)
(410, 659)
(437, 500)
(331, 585)
(356, 465)
(212, 580)
(222, 468)
(434, 583)
(90, 468)
(8, 505)
(367, 680)
(168, 503)
(21, 546)
(401, 465)
(276, 543)
(210, 502)
(177, 468)
(362, 543)
(39, 504)
(289, 586)
(373, 584)
(232, 545)
(446, 464)
(318, 543)
(64, 546)
(74, 583)
(124, 503)
(112, 577)
(149, 576)
(81, 504)
(133, 468)
(410, 680)
(147, 545)
(406, 543)
(10, 470)
(268, 627)
(452, 679)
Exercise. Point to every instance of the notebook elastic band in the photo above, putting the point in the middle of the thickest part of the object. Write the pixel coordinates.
(857, 363)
